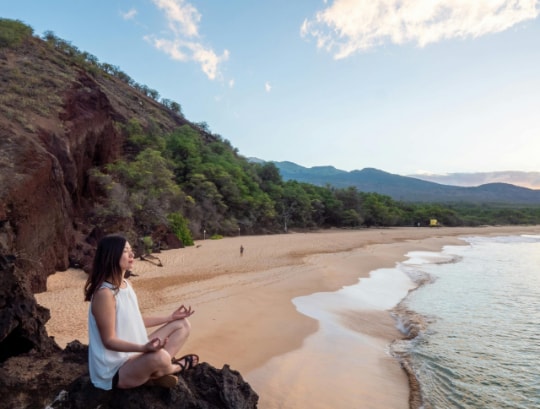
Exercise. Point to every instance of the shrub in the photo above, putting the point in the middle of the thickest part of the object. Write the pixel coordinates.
(180, 228)
(13, 32)
(148, 244)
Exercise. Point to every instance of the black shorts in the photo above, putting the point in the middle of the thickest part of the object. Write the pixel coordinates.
(115, 380)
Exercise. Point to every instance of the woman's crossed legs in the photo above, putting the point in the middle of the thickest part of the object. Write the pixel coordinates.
(152, 365)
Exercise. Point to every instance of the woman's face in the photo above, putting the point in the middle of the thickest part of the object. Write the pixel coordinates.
(126, 261)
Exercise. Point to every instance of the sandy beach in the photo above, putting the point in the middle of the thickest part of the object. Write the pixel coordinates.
(298, 314)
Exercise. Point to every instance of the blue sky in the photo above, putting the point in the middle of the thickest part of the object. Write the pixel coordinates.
(403, 86)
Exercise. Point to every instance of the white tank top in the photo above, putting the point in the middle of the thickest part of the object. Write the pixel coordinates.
(102, 362)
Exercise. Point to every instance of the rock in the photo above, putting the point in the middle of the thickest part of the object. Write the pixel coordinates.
(170, 241)
(22, 320)
(203, 387)
(60, 381)
(32, 380)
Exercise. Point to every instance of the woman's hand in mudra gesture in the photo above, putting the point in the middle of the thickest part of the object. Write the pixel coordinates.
(182, 312)
(155, 344)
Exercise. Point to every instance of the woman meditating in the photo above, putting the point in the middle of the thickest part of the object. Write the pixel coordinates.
(121, 354)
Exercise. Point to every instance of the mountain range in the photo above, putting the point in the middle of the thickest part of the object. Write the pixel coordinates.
(518, 178)
(414, 189)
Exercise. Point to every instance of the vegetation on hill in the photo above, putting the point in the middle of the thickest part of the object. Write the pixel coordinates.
(194, 182)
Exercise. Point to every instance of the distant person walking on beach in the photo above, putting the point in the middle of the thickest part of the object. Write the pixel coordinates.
(241, 250)
(120, 352)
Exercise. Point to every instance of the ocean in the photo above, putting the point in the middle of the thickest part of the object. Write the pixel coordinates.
(474, 324)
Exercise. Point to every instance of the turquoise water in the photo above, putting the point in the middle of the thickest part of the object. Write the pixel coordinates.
(479, 341)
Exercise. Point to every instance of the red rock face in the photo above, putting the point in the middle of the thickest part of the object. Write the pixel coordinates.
(46, 180)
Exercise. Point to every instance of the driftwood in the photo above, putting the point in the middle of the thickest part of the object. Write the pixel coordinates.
(151, 259)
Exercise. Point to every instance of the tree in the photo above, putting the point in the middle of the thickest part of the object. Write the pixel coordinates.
(269, 174)
(184, 148)
(176, 107)
(153, 194)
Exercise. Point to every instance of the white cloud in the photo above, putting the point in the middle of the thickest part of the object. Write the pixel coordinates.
(184, 21)
(182, 50)
(183, 17)
(231, 83)
(267, 87)
(128, 15)
(348, 26)
(208, 59)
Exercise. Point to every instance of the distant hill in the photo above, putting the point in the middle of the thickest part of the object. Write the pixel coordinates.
(523, 179)
(406, 188)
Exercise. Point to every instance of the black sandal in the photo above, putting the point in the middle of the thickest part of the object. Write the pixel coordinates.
(186, 362)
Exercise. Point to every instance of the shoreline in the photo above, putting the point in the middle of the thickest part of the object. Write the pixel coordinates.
(245, 315)
(463, 311)
(412, 324)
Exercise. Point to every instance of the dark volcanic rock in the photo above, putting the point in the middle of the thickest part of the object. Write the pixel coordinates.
(33, 380)
(203, 387)
(22, 320)
(60, 381)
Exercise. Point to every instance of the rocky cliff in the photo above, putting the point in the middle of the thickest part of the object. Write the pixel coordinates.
(56, 123)
(60, 381)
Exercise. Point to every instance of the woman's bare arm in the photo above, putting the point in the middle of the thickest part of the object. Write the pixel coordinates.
(104, 311)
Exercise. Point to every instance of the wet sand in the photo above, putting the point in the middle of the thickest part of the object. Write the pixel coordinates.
(246, 309)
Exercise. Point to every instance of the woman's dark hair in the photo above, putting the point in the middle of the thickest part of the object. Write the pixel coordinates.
(106, 265)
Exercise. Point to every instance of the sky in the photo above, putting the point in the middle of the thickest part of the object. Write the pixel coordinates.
(404, 86)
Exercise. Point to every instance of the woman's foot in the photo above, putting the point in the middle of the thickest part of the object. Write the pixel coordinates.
(186, 362)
